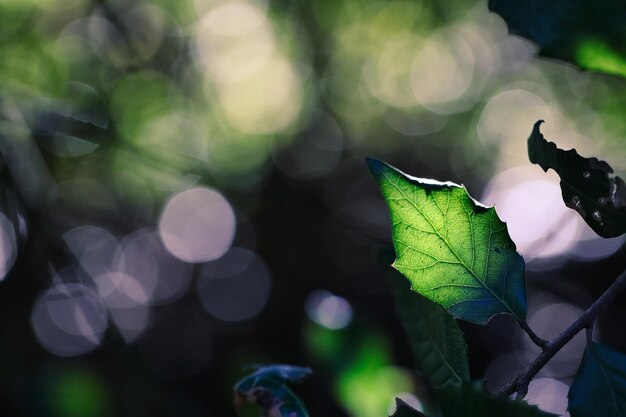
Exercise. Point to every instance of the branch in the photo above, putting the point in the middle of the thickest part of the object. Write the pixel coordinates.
(520, 383)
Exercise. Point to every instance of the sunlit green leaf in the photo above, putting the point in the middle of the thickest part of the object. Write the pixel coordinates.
(587, 33)
(438, 346)
(265, 392)
(599, 388)
(587, 185)
(405, 410)
(471, 400)
(454, 251)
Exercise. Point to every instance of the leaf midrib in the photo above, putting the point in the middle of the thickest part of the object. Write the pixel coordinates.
(462, 262)
(443, 356)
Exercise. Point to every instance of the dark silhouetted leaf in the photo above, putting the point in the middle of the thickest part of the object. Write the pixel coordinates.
(454, 251)
(265, 392)
(471, 400)
(586, 184)
(587, 33)
(405, 410)
(438, 346)
(599, 388)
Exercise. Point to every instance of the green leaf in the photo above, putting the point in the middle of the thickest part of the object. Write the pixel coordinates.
(438, 346)
(587, 33)
(599, 388)
(265, 392)
(586, 184)
(405, 410)
(455, 252)
(470, 399)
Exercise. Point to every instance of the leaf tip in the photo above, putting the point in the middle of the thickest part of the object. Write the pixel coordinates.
(376, 167)
(534, 140)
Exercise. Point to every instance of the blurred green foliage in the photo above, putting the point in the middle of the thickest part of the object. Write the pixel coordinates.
(78, 393)
(109, 107)
(589, 34)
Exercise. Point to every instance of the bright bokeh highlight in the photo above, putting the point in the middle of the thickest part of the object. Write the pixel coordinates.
(197, 225)
(328, 310)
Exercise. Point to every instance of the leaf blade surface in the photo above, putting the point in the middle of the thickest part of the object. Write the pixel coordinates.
(265, 392)
(438, 346)
(599, 388)
(470, 400)
(454, 251)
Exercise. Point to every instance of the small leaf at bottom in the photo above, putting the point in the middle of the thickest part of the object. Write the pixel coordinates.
(405, 410)
(265, 392)
(599, 388)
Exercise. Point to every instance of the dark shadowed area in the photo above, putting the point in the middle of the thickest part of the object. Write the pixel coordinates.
(184, 193)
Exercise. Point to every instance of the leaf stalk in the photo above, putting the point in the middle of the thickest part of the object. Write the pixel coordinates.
(533, 336)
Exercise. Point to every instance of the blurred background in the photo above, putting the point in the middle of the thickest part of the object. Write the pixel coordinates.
(183, 193)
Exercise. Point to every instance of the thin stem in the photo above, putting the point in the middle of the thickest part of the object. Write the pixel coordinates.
(533, 336)
(590, 334)
(520, 382)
